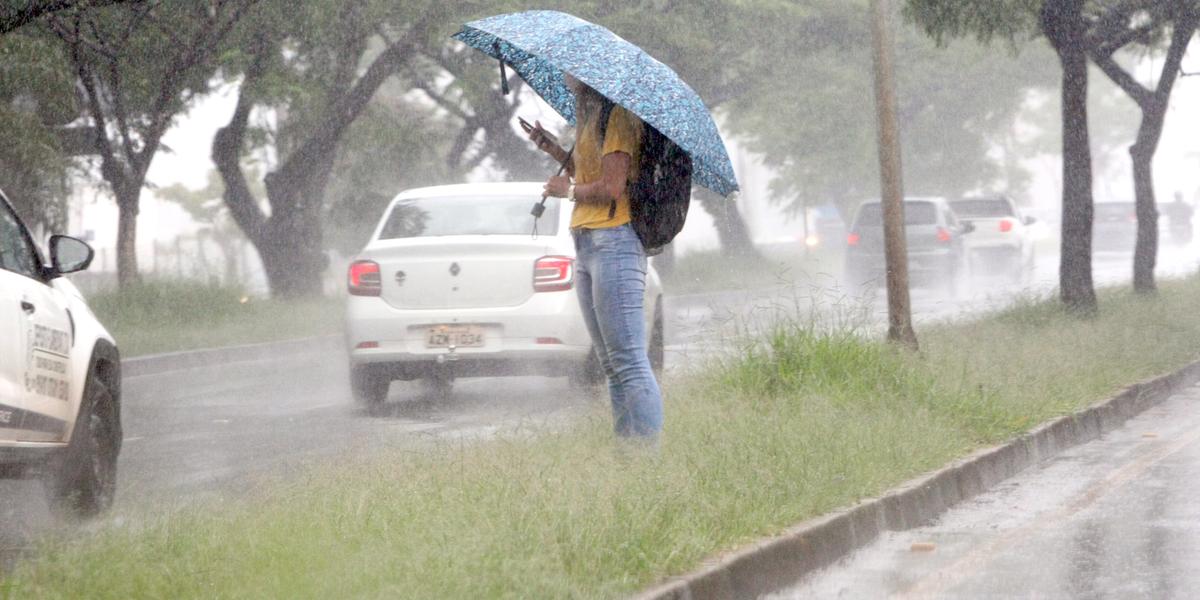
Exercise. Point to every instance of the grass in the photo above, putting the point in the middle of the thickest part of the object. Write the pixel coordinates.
(168, 316)
(792, 425)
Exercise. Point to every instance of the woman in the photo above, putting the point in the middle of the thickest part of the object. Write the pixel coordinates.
(610, 263)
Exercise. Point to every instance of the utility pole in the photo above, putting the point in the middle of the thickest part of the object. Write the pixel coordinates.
(900, 328)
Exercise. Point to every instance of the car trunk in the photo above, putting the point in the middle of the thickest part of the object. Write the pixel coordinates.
(465, 274)
(919, 238)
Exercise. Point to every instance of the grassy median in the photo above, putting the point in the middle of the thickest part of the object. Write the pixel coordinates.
(169, 316)
(790, 426)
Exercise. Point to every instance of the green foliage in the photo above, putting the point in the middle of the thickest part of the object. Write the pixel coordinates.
(36, 98)
(814, 118)
(1010, 20)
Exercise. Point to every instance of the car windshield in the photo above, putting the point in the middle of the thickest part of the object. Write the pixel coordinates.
(468, 215)
(915, 213)
(982, 208)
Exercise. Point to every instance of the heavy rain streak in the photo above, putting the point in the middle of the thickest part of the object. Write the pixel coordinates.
(437, 298)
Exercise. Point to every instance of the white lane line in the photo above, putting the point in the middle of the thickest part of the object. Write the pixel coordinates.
(133, 439)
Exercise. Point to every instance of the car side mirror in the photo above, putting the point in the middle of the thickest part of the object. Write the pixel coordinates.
(968, 227)
(68, 255)
(1029, 220)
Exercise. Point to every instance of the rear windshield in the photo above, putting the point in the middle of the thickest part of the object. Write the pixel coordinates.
(468, 215)
(982, 208)
(1115, 209)
(915, 213)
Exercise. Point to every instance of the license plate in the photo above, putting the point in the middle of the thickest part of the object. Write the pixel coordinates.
(458, 336)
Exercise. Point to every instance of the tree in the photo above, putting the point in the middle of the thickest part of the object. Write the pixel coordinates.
(1144, 22)
(1064, 25)
(139, 66)
(15, 13)
(304, 61)
(37, 98)
(815, 125)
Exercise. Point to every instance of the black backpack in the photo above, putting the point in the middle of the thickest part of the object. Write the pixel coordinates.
(659, 198)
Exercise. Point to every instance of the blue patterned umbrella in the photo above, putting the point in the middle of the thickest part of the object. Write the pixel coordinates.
(542, 45)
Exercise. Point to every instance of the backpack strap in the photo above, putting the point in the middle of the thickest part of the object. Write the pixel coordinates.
(605, 112)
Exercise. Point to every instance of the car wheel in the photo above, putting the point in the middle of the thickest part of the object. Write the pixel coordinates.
(657, 343)
(83, 480)
(369, 386)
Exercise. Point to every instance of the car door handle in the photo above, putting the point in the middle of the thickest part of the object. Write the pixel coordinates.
(28, 307)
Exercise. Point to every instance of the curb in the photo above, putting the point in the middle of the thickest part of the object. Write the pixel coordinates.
(155, 364)
(781, 561)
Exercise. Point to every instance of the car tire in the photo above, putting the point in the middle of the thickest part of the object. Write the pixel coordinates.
(82, 481)
(656, 348)
(369, 386)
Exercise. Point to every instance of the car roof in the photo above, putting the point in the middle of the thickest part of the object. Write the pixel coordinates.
(474, 189)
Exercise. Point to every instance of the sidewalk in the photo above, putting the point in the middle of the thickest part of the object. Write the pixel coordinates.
(1116, 517)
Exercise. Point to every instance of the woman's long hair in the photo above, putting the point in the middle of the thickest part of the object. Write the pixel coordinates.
(588, 103)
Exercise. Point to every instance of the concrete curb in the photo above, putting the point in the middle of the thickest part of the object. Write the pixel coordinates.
(781, 561)
(155, 364)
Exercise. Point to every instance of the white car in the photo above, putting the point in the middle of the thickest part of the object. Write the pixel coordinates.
(455, 283)
(60, 382)
(1003, 240)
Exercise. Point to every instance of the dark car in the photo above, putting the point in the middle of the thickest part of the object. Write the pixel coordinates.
(1114, 226)
(936, 255)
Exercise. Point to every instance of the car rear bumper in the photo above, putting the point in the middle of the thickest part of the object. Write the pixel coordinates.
(924, 268)
(550, 363)
(543, 335)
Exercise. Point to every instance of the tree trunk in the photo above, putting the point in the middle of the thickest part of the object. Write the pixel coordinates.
(1063, 24)
(127, 214)
(732, 232)
(891, 185)
(1145, 253)
(293, 252)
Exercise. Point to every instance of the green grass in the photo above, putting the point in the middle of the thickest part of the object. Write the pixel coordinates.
(168, 316)
(792, 425)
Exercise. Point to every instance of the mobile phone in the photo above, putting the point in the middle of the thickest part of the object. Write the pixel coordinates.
(525, 125)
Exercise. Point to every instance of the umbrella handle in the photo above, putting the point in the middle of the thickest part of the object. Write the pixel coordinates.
(540, 207)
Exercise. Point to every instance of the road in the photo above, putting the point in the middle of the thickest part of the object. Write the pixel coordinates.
(1115, 518)
(222, 430)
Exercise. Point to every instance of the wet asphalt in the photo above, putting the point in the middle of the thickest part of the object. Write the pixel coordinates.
(221, 431)
(1115, 518)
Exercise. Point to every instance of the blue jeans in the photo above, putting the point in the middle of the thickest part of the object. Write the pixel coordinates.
(610, 271)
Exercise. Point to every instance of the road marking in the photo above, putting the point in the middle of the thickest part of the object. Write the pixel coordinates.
(133, 439)
(938, 581)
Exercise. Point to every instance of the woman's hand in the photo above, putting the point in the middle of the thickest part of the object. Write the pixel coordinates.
(557, 186)
(546, 141)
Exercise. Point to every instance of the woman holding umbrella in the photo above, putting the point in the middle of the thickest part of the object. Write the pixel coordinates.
(610, 261)
(589, 74)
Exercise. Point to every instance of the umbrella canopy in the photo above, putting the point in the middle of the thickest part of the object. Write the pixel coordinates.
(542, 45)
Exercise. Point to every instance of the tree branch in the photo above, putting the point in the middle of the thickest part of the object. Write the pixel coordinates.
(227, 152)
(12, 17)
(1136, 91)
(346, 109)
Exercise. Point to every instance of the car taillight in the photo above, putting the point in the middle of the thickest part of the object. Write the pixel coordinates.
(553, 274)
(943, 235)
(1006, 225)
(364, 278)
(852, 239)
